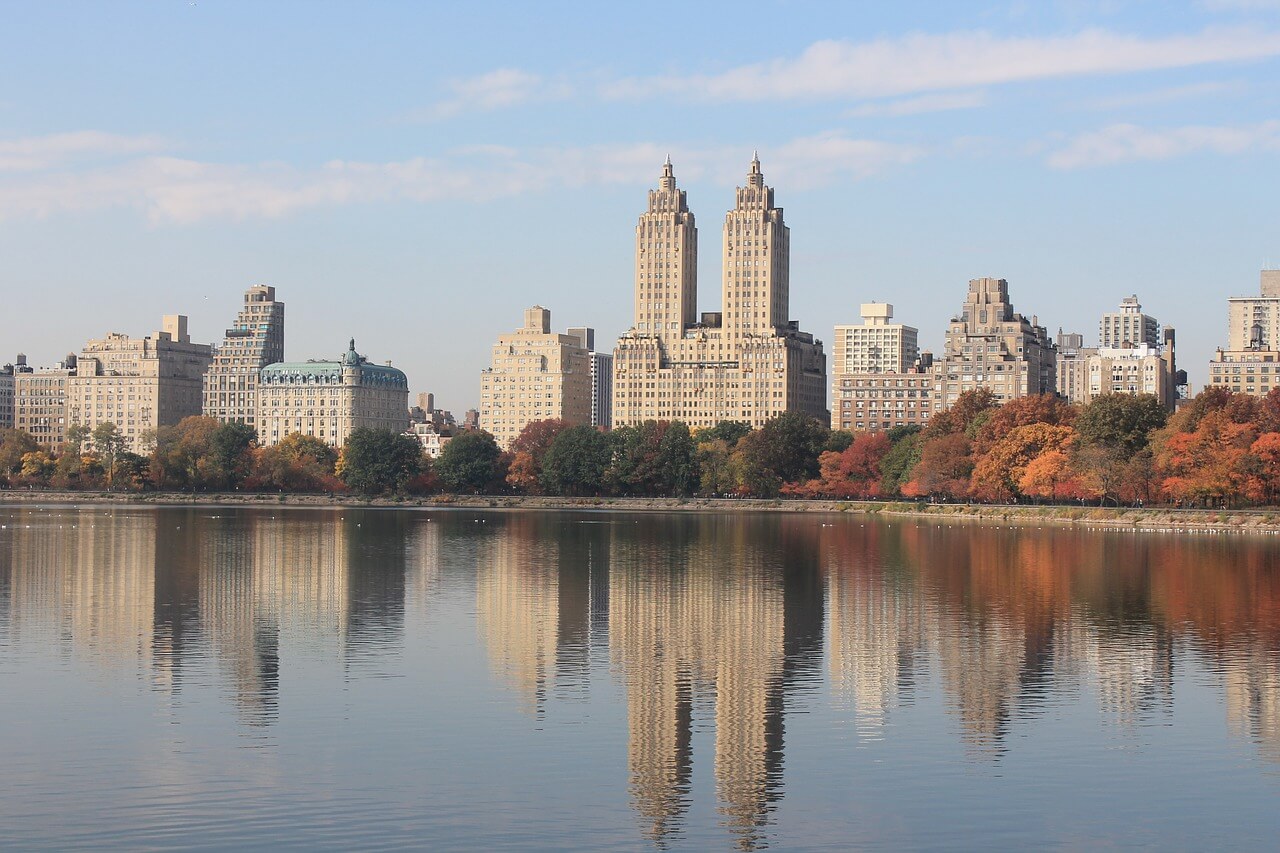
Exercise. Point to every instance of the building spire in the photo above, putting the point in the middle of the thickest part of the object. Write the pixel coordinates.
(668, 181)
(755, 177)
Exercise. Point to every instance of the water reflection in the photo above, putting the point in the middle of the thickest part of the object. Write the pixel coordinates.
(717, 628)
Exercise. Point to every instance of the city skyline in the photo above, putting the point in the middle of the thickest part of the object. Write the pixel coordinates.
(1083, 152)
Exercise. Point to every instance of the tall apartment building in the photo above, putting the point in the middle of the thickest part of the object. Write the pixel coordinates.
(1072, 374)
(329, 399)
(601, 377)
(1251, 362)
(256, 340)
(746, 362)
(990, 346)
(877, 381)
(40, 400)
(1254, 321)
(1128, 327)
(138, 384)
(6, 397)
(534, 375)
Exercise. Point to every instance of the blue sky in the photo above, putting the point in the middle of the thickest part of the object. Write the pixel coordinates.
(415, 175)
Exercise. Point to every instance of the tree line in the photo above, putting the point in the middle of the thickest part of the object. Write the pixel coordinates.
(1220, 449)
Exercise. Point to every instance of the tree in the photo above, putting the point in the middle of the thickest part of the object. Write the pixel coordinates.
(14, 444)
(727, 431)
(230, 459)
(527, 451)
(997, 473)
(677, 465)
(181, 458)
(470, 462)
(577, 461)
(1049, 475)
(903, 455)
(1121, 421)
(944, 468)
(110, 442)
(298, 463)
(1023, 411)
(851, 473)
(379, 461)
(1208, 464)
(785, 449)
(37, 466)
(1263, 482)
(964, 416)
(522, 474)
(78, 438)
(715, 476)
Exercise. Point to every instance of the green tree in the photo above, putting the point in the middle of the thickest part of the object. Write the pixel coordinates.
(577, 461)
(903, 455)
(1120, 421)
(677, 465)
(378, 461)
(727, 431)
(181, 458)
(470, 462)
(784, 450)
(230, 457)
(79, 438)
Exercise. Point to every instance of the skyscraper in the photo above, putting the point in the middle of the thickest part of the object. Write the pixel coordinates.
(746, 362)
(256, 340)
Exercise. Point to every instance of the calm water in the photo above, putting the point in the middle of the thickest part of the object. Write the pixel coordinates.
(463, 680)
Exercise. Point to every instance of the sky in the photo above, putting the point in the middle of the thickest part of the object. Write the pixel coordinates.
(414, 175)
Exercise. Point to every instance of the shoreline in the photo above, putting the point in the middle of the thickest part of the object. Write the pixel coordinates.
(1260, 521)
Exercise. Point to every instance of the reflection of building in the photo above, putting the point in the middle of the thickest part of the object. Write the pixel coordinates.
(534, 375)
(256, 340)
(701, 609)
(537, 592)
(330, 399)
(1253, 700)
(138, 384)
(747, 362)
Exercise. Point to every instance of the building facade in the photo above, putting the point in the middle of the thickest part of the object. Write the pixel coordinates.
(6, 396)
(40, 403)
(876, 346)
(747, 362)
(1128, 327)
(1254, 321)
(329, 399)
(601, 377)
(990, 346)
(256, 340)
(873, 402)
(1251, 371)
(534, 375)
(1130, 370)
(138, 384)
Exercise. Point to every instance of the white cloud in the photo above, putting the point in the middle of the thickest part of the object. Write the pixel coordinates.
(176, 190)
(1122, 143)
(502, 87)
(34, 153)
(932, 103)
(1166, 95)
(965, 60)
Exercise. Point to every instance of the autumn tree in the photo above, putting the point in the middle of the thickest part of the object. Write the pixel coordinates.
(851, 473)
(109, 442)
(997, 473)
(14, 444)
(527, 451)
(944, 469)
(1022, 411)
(1208, 464)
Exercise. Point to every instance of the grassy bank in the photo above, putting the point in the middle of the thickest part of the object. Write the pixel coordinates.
(1155, 519)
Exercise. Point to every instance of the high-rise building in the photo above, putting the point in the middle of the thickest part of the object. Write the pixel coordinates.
(1254, 322)
(6, 397)
(534, 375)
(601, 377)
(990, 346)
(878, 381)
(40, 400)
(329, 399)
(1072, 375)
(138, 384)
(876, 346)
(256, 340)
(746, 362)
(1128, 327)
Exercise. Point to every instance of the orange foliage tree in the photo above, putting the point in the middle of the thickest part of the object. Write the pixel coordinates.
(996, 474)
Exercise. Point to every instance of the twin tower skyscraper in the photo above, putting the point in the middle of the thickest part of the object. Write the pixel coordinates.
(747, 362)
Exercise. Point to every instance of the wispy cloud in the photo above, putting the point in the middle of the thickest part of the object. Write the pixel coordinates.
(932, 103)
(170, 189)
(965, 60)
(34, 153)
(1123, 143)
(1171, 94)
(502, 87)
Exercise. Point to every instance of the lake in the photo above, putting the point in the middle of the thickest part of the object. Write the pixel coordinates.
(337, 678)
